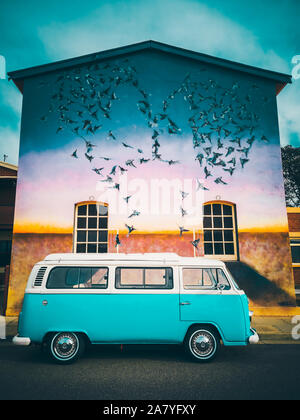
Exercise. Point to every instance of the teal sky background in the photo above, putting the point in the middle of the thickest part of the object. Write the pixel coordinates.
(260, 33)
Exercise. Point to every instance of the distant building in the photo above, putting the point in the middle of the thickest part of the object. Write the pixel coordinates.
(8, 179)
(162, 149)
(294, 227)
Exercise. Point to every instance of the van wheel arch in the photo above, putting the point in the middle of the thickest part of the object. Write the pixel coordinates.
(50, 334)
(199, 325)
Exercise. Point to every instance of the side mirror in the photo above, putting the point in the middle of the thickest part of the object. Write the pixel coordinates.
(221, 287)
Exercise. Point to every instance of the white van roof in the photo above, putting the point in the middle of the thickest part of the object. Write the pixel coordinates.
(159, 257)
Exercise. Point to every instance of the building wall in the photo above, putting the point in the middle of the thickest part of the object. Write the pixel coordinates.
(294, 221)
(294, 227)
(158, 105)
(8, 175)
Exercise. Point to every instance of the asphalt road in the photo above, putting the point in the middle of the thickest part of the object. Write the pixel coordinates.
(152, 372)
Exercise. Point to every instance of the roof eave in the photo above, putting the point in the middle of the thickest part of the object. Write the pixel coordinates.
(18, 76)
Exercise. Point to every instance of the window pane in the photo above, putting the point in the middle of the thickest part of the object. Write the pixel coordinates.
(81, 222)
(99, 278)
(72, 275)
(227, 210)
(57, 278)
(102, 236)
(85, 277)
(208, 248)
(208, 235)
(207, 222)
(192, 278)
(103, 222)
(81, 248)
(219, 250)
(228, 235)
(102, 248)
(92, 223)
(198, 278)
(228, 222)
(92, 248)
(295, 254)
(92, 236)
(222, 279)
(218, 237)
(217, 222)
(81, 235)
(103, 210)
(207, 209)
(93, 210)
(229, 249)
(130, 276)
(81, 210)
(208, 278)
(217, 209)
(155, 276)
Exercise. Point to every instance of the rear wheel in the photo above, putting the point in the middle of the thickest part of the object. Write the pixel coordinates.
(202, 344)
(65, 347)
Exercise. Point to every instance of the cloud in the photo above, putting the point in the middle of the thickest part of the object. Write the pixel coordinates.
(289, 115)
(189, 24)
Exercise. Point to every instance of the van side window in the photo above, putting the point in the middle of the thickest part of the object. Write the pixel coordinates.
(78, 278)
(199, 278)
(222, 279)
(144, 278)
(204, 278)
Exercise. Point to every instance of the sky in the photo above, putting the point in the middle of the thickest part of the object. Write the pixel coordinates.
(264, 34)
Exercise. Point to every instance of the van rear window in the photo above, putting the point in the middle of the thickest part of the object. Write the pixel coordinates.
(144, 278)
(78, 278)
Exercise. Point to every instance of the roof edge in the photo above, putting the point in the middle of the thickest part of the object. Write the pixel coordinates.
(19, 75)
(9, 166)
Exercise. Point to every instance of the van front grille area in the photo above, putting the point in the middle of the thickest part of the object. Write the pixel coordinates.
(39, 277)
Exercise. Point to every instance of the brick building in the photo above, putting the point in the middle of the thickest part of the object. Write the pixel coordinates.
(8, 178)
(294, 228)
(180, 145)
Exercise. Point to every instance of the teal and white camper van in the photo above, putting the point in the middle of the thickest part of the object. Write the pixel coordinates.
(75, 299)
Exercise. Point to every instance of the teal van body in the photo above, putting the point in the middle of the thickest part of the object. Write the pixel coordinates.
(153, 312)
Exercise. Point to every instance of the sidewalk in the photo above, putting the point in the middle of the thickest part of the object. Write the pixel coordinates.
(271, 330)
(275, 330)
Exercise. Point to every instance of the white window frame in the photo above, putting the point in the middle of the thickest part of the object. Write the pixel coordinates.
(226, 257)
(87, 229)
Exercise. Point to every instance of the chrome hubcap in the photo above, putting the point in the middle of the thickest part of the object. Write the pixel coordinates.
(202, 344)
(65, 345)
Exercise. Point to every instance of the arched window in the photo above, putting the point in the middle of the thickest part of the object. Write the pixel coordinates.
(91, 227)
(220, 230)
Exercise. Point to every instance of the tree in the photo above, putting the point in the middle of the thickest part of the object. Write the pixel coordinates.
(291, 173)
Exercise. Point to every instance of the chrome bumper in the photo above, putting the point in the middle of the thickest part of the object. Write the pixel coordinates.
(254, 338)
(21, 341)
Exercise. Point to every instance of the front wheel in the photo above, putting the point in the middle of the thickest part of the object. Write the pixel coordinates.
(202, 344)
(65, 347)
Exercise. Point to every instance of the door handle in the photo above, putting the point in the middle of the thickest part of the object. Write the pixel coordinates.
(185, 303)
